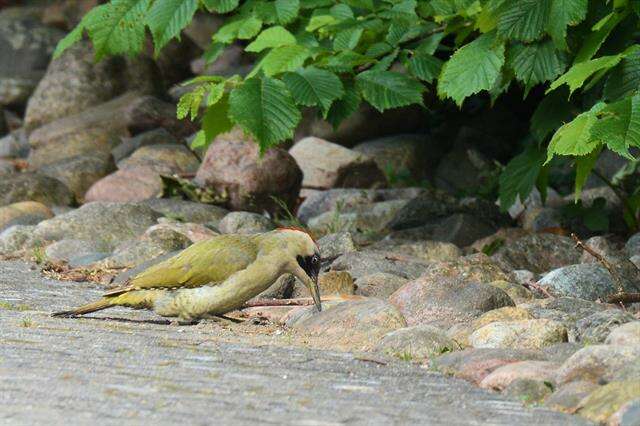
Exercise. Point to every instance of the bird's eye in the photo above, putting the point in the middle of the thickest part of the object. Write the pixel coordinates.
(315, 259)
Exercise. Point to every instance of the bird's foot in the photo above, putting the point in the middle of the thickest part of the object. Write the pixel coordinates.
(221, 319)
(182, 322)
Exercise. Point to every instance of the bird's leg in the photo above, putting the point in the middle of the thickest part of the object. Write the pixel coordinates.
(221, 319)
(182, 321)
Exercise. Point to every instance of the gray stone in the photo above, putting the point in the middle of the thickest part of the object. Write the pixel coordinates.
(80, 172)
(502, 377)
(245, 223)
(588, 281)
(539, 219)
(523, 334)
(23, 213)
(16, 238)
(560, 352)
(596, 327)
(363, 263)
(602, 246)
(334, 245)
(133, 184)
(373, 217)
(628, 414)
(632, 246)
(151, 245)
(165, 159)
(32, 186)
(151, 137)
(379, 284)
(567, 397)
(67, 249)
(462, 169)
(107, 224)
(427, 250)
(420, 342)
(462, 229)
(626, 334)
(597, 362)
(529, 391)
(14, 145)
(537, 253)
(187, 211)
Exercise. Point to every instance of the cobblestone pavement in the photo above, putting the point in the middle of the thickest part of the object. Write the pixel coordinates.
(136, 370)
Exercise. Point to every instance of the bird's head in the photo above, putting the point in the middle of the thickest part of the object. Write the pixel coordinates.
(304, 249)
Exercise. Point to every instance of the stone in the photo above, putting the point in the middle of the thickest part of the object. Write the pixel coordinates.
(334, 245)
(590, 281)
(529, 391)
(75, 81)
(462, 229)
(427, 250)
(597, 363)
(194, 232)
(596, 327)
(362, 263)
(234, 167)
(418, 343)
(541, 219)
(67, 249)
(245, 223)
(489, 245)
(500, 378)
(327, 165)
(517, 292)
(80, 172)
(353, 325)
(66, 14)
(379, 284)
(625, 334)
(475, 364)
(603, 247)
(126, 185)
(281, 289)
(560, 352)
(631, 371)
(107, 224)
(603, 402)
(627, 415)
(344, 199)
(373, 217)
(461, 169)
(567, 397)
(330, 283)
(29, 45)
(404, 158)
(14, 145)
(460, 333)
(522, 334)
(99, 129)
(15, 238)
(446, 301)
(166, 159)
(23, 213)
(537, 253)
(31, 186)
(632, 246)
(151, 137)
(187, 211)
(508, 313)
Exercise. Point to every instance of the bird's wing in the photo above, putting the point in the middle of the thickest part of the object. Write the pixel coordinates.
(206, 262)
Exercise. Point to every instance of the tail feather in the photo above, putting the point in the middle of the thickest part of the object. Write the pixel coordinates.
(86, 309)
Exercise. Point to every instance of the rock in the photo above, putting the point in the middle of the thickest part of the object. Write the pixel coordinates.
(627, 415)
(428, 250)
(353, 325)
(477, 363)
(560, 352)
(602, 246)
(500, 378)
(489, 245)
(107, 224)
(128, 273)
(597, 363)
(588, 281)
(80, 172)
(245, 223)
(379, 284)
(631, 371)
(166, 159)
(373, 217)
(233, 166)
(23, 213)
(540, 219)
(522, 334)
(462, 229)
(29, 45)
(14, 145)
(33, 187)
(516, 292)
(329, 283)
(16, 238)
(282, 288)
(126, 185)
(529, 391)
(460, 333)
(151, 137)
(327, 165)
(461, 170)
(402, 157)
(508, 313)
(334, 245)
(603, 402)
(524, 277)
(626, 334)
(596, 327)
(187, 211)
(66, 14)
(567, 397)
(632, 247)
(446, 301)
(537, 253)
(67, 249)
(417, 343)
(75, 81)
(344, 199)
(363, 263)
(194, 232)
(99, 129)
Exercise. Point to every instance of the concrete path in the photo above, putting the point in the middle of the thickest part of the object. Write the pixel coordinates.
(132, 370)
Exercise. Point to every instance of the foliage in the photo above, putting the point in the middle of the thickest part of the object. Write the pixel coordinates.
(335, 54)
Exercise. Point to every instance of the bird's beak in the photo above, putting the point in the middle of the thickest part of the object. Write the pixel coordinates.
(315, 292)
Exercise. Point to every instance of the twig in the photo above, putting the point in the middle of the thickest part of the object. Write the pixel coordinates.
(303, 301)
(624, 298)
(602, 260)
(532, 285)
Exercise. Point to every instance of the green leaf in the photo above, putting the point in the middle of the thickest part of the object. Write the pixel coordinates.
(579, 73)
(341, 12)
(190, 103)
(554, 110)
(565, 13)
(213, 53)
(89, 20)
(593, 42)
(624, 79)
(118, 27)
(168, 17)
(216, 119)
(519, 176)
(429, 45)
(536, 63)
(343, 108)
(216, 91)
(524, 20)
(425, 67)
(389, 89)
(283, 59)
(574, 138)
(318, 21)
(619, 126)
(221, 6)
(249, 27)
(347, 39)
(314, 87)
(472, 68)
(264, 107)
(287, 10)
(584, 165)
(270, 38)
(199, 142)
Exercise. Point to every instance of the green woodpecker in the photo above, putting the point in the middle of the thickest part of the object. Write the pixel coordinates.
(216, 276)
